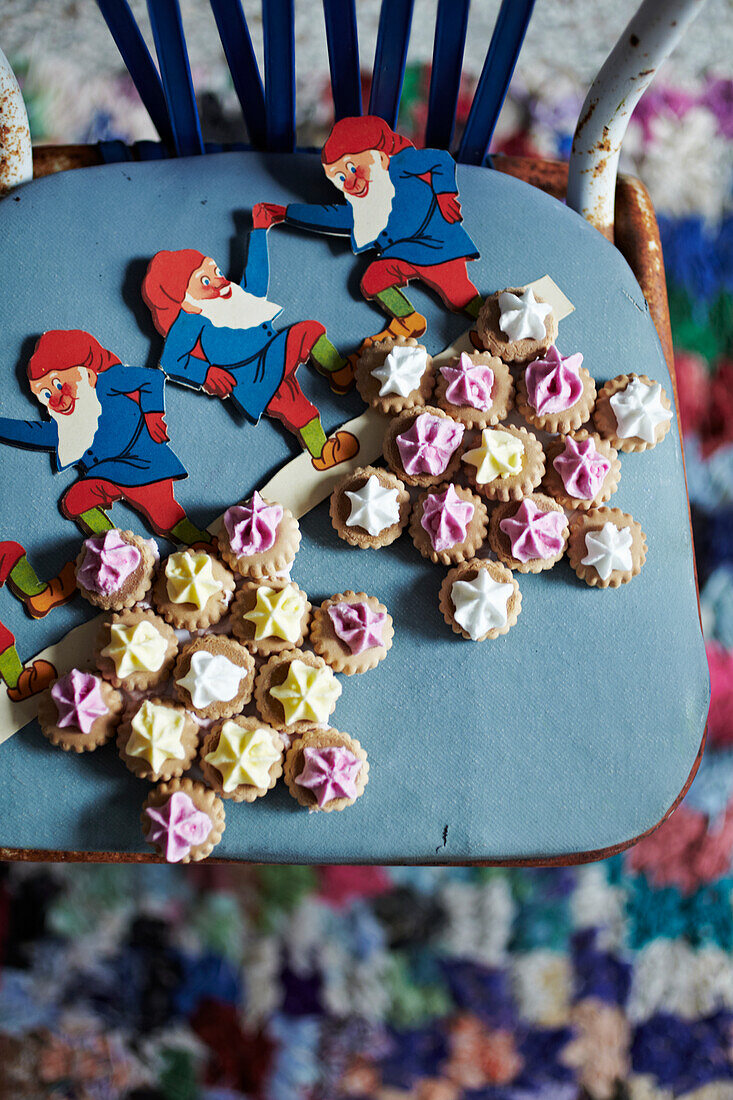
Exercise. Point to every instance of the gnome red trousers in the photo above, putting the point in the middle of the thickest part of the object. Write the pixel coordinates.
(450, 279)
(155, 500)
(289, 403)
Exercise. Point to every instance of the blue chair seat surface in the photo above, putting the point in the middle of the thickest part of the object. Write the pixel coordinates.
(574, 732)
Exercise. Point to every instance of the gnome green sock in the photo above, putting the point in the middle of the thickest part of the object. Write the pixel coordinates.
(473, 307)
(95, 521)
(23, 578)
(188, 533)
(325, 356)
(313, 436)
(10, 666)
(394, 302)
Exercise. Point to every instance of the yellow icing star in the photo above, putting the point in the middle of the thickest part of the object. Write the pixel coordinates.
(277, 613)
(308, 693)
(190, 578)
(138, 648)
(156, 735)
(500, 454)
(243, 756)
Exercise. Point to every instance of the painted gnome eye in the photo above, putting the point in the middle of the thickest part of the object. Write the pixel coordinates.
(46, 396)
(57, 385)
(342, 177)
(218, 273)
(205, 281)
(352, 168)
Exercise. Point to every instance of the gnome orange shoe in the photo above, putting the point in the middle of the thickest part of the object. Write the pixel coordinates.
(342, 380)
(58, 591)
(414, 324)
(337, 448)
(33, 680)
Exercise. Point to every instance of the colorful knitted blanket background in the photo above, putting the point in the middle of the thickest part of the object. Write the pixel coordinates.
(613, 980)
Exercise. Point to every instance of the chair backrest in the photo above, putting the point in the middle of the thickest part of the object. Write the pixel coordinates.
(269, 107)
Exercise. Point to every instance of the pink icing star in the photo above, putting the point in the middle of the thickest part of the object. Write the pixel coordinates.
(534, 533)
(177, 826)
(108, 562)
(252, 526)
(78, 700)
(446, 517)
(428, 444)
(469, 383)
(554, 383)
(358, 625)
(329, 773)
(582, 468)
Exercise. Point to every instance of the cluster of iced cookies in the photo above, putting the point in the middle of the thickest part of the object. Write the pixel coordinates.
(452, 455)
(201, 662)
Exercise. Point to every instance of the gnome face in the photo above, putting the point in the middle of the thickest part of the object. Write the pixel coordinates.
(207, 282)
(70, 395)
(59, 389)
(354, 172)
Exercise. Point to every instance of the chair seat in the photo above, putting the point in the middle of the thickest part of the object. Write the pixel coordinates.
(574, 733)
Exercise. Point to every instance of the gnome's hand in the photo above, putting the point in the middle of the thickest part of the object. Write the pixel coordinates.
(219, 382)
(450, 207)
(156, 425)
(265, 214)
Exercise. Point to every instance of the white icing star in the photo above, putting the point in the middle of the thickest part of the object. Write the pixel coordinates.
(211, 678)
(522, 317)
(373, 507)
(639, 410)
(480, 605)
(402, 370)
(608, 549)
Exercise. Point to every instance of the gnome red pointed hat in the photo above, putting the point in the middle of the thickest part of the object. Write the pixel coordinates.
(165, 282)
(357, 135)
(59, 349)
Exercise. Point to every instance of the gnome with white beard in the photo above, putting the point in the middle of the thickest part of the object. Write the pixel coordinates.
(219, 337)
(107, 420)
(401, 202)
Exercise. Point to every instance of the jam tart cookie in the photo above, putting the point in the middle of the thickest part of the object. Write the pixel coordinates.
(115, 570)
(369, 508)
(476, 389)
(480, 599)
(423, 446)
(214, 676)
(516, 325)
(555, 392)
(607, 547)
(192, 590)
(448, 524)
(242, 758)
(270, 617)
(633, 413)
(259, 538)
(135, 650)
(582, 470)
(157, 739)
(352, 632)
(507, 464)
(295, 691)
(183, 820)
(394, 375)
(80, 711)
(326, 770)
(529, 535)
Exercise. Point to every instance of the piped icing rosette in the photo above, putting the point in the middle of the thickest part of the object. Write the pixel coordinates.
(135, 650)
(192, 589)
(476, 389)
(480, 599)
(530, 535)
(214, 676)
(259, 538)
(157, 739)
(326, 770)
(393, 375)
(633, 413)
(423, 446)
(582, 471)
(182, 820)
(80, 711)
(352, 632)
(241, 758)
(115, 570)
(556, 393)
(506, 464)
(296, 691)
(270, 617)
(369, 508)
(607, 547)
(448, 524)
(516, 325)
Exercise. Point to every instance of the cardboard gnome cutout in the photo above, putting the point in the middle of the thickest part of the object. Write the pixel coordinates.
(220, 337)
(402, 203)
